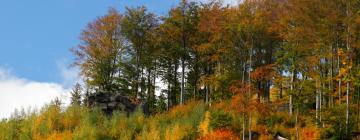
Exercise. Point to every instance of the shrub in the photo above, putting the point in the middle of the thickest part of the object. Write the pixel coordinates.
(220, 119)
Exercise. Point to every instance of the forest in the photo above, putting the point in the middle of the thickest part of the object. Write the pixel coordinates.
(261, 69)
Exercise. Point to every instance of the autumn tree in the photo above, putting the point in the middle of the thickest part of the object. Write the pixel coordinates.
(100, 52)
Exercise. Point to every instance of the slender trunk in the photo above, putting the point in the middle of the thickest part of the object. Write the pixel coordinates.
(331, 89)
(281, 90)
(176, 86)
(143, 81)
(291, 89)
(249, 96)
(348, 47)
(169, 104)
(207, 87)
(169, 78)
(136, 89)
(317, 108)
(149, 92)
(182, 90)
(320, 103)
(196, 76)
(339, 82)
(182, 81)
(250, 67)
(154, 78)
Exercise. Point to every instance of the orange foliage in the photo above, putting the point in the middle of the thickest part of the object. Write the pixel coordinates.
(265, 72)
(182, 110)
(310, 133)
(221, 134)
(243, 102)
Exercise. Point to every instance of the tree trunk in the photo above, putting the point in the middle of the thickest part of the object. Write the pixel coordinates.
(149, 92)
(176, 86)
(317, 107)
(169, 104)
(291, 89)
(182, 81)
(348, 48)
(281, 90)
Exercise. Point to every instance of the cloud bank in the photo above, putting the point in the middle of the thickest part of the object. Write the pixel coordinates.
(17, 93)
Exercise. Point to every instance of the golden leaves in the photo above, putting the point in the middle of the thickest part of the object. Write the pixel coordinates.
(204, 125)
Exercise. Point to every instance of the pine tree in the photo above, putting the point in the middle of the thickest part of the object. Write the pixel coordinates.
(76, 95)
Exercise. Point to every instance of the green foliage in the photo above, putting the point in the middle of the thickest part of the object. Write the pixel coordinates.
(76, 94)
(220, 119)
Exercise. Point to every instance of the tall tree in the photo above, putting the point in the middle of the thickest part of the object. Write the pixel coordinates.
(139, 28)
(100, 52)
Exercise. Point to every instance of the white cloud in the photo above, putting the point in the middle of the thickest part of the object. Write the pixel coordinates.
(16, 93)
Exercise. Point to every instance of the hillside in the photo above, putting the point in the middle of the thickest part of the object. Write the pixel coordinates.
(191, 121)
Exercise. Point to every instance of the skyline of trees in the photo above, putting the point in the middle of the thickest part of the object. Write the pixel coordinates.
(303, 54)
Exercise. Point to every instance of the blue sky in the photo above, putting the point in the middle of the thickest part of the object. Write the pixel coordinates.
(35, 36)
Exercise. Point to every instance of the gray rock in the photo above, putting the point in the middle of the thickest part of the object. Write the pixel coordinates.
(109, 102)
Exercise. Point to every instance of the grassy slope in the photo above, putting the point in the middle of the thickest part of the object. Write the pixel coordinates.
(191, 121)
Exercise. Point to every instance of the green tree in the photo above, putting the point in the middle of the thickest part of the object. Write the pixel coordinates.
(139, 28)
(76, 95)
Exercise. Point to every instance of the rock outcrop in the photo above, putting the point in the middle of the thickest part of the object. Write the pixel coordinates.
(109, 102)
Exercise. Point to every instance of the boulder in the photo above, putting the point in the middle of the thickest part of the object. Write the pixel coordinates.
(109, 102)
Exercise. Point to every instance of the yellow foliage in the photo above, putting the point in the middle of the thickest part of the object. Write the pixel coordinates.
(152, 133)
(177, 132)
(182, 110)
(204, 125)
(66, 135)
